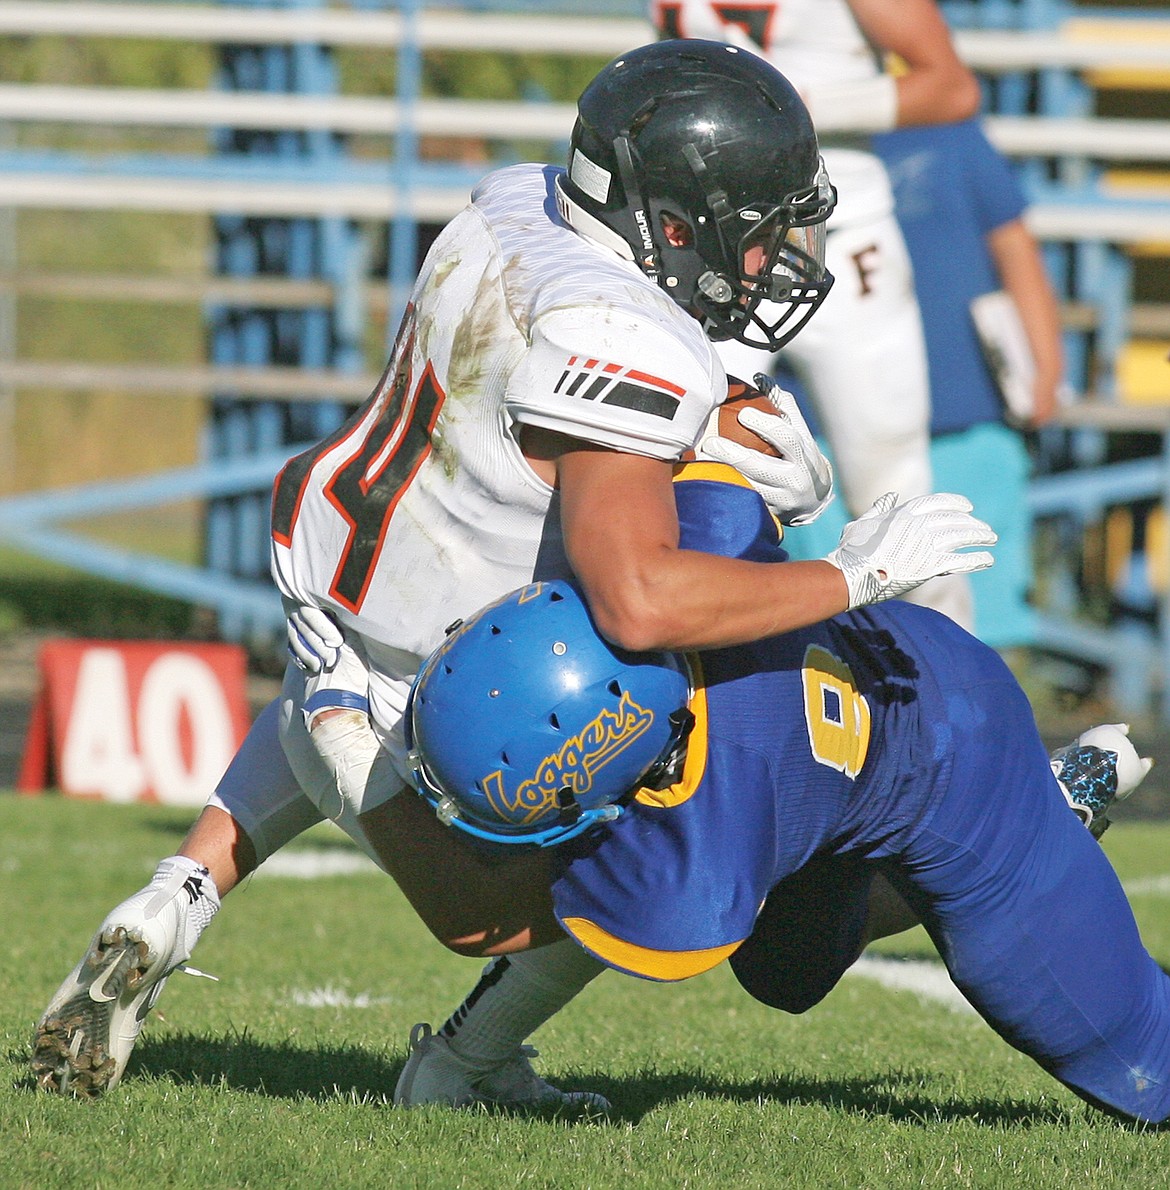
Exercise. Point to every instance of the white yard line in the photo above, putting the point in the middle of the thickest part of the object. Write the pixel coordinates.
(923, 977)
(331, 997)
(1148, 886)
(928, 980)
(315, 865)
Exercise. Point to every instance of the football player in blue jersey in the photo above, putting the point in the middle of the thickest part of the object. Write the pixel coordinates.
(751, 803)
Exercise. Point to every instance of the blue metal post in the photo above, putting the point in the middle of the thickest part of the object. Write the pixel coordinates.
(327, 336)
(403, 246)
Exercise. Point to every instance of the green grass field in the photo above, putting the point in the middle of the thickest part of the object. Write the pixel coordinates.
(280, 1074)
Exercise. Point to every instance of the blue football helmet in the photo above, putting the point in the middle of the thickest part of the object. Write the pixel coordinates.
(526, 727)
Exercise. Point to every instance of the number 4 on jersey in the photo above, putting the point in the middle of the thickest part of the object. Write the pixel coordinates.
(391, 437)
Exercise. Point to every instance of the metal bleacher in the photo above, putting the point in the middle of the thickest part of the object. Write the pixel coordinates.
(1100, 189)
(290, 301)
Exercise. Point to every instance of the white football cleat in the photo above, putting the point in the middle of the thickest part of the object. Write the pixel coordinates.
(1100, 767)
(87, 1033)
(434, 1073)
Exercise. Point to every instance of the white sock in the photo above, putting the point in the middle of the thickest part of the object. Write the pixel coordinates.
(515, 995)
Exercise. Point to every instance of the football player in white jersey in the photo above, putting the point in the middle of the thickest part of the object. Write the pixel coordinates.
(863, 361)
(555, 362)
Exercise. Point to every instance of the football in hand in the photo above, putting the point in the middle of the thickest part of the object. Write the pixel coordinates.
(743, 396)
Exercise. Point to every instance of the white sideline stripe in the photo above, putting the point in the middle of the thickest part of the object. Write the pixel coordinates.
(331, 997)
(316, 865)
(931, 981)
(1148, 886)
(928, 980)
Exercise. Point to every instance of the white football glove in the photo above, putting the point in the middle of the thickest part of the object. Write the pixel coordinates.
(893, 547)
(337, 681)
(1131, 768)
(314, 639)
(798, 486)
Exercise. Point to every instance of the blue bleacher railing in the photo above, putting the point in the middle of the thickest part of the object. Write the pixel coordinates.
(260, 239)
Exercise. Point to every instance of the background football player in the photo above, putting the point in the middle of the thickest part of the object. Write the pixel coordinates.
(863, 363)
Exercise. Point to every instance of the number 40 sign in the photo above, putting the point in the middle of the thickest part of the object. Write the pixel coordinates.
(135, 720)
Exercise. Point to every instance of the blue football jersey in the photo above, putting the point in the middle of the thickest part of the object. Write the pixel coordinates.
(833, 737)
(883, 738)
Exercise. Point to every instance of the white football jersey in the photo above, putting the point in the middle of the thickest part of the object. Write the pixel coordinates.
(811, 43)
(808, 41)
(421, 509)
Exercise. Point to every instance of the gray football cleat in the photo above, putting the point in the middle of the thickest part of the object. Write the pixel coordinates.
(434, 1073)
(86, 1035)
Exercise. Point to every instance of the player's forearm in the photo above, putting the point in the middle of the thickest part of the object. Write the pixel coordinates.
(935, 94)
(933, 85)
(683, 599)
(621, 536)
(1023, 274)
(938, 96)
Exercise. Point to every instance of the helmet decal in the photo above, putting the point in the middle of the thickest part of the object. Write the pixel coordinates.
(590, 177)
(572, 767)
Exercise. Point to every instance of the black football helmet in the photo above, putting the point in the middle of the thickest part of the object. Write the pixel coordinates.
(699, 161)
